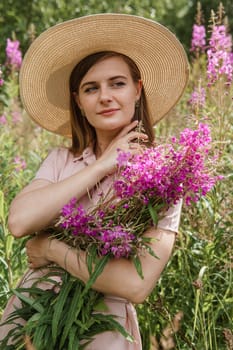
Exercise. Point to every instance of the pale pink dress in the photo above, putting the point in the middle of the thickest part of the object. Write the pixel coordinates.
(59, 165)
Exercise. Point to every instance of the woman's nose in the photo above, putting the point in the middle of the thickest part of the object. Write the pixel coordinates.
(105, 95)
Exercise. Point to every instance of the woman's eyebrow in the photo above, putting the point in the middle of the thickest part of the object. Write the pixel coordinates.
(87, 83)
(118, 77)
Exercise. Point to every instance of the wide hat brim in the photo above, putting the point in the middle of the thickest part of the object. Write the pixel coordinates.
(45, 72)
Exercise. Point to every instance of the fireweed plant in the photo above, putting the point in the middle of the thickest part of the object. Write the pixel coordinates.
(203, 254)
(146, 185)
(13, 54)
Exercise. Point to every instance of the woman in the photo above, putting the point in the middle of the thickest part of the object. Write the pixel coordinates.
(95, 78)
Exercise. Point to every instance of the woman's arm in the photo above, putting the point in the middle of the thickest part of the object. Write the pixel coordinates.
(119, 277)
(41, 201)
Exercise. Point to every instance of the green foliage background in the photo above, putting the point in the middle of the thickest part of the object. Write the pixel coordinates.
(27, 19)
(192, 305)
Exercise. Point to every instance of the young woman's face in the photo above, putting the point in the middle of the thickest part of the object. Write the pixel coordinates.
(107, 95)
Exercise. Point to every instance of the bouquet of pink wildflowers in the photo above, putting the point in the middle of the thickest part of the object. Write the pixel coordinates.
(146, 185)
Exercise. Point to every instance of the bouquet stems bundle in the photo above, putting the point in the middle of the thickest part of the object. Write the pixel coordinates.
(66, 316)
(145, 187)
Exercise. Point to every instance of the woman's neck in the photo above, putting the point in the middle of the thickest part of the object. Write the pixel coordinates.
(103, 142)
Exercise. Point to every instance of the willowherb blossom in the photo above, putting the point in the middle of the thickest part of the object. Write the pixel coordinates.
(158, 177)
(219, 54)
(19, 163)
(13, 53)
(117, 241)
(198, 42)
(219, 39)
(76, 218)
(16, 117)
(169, 172)
(3, 120)
(198, 97)
(87, 229)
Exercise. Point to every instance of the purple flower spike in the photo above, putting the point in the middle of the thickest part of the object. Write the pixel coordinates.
(198, 38)
(219, 54)
(13, 53)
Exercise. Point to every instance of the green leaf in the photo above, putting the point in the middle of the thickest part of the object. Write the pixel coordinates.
(33, 303)
(138, 266)
(151, 252)
(76, 304)
(9, 244)
(98, 270)
(91, 258)
(39, 337)
(35, 317)
(59, 305)
(73, 339)
(100, 306)
(110, 323)
(153, 213)
(2, 216)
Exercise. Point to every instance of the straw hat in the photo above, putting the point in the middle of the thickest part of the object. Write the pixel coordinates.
(44, 75)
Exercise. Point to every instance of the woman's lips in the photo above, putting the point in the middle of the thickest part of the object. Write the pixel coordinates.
(109, 111)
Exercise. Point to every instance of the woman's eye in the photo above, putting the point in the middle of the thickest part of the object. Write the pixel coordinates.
(119, 83)
(90, 89)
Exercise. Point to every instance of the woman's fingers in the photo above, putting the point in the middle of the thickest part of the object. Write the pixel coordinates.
(126, 135)
(134, 135)
(127, 140)
(36, 249)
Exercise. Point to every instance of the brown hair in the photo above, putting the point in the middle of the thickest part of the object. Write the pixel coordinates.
(82, 132)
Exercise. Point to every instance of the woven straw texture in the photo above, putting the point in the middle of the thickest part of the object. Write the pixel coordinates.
(44, 76)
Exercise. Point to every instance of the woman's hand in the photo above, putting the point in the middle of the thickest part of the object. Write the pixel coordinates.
(124, 141)
(36, 249)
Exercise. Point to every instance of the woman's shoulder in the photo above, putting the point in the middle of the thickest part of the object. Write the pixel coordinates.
(59, 152)
(61, 163)
(58, 160)
(62, 155)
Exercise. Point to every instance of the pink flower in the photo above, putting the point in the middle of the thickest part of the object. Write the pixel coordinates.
(220, 57)
(198, 97)
(219, 39)
(198, 42)
(13, 53)
(123, 158)
(3, 120)
(19, 163)
(16, 117)
(170, 172)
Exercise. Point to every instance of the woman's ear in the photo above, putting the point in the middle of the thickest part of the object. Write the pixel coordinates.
(75, 95)
(138, 89)
(76, 98)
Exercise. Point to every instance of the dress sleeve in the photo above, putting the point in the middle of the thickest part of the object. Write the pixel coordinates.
(171, 219)
(48, 169)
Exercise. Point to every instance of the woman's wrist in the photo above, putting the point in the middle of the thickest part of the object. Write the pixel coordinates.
(100, 169)
(55, 247)
(57, 253)
(68, 258)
